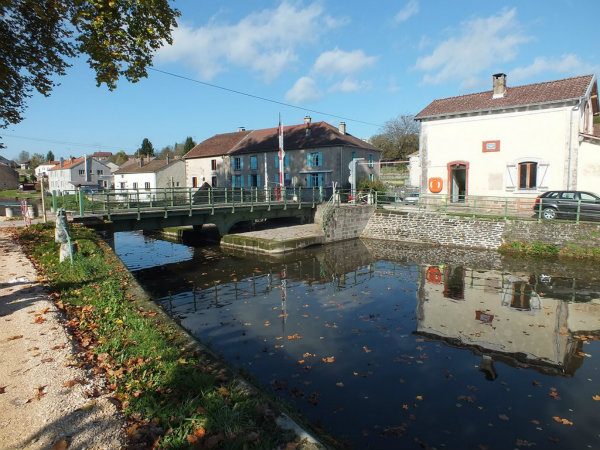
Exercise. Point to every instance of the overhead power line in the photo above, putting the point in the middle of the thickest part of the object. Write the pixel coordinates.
(75, 144)
(265, 99)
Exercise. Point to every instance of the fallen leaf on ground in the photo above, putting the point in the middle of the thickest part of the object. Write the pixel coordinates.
(15, 337)
(60, 445)
(2, 389)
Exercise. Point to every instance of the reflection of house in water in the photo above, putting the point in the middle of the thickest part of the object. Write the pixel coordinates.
(503, 317)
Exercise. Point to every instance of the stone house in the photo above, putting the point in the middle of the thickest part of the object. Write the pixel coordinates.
(146, 176)
(74, 173)
(316, 154)
(512, 141)
(9, 178)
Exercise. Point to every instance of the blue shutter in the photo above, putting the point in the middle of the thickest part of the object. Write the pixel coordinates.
(249, 180)
(320, 179)
(277, 179)
(320, 160)
(241, 163)
(308, 181)
(286, 161)
(353, 155)
(308, 160)
(258, 180)
(276, 161)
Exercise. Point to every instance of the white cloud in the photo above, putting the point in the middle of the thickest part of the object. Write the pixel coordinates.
(339, 62)
(480, 45)
(304, 90)
(409, 10)
(568, 65)
(350, 85)
(264, 42)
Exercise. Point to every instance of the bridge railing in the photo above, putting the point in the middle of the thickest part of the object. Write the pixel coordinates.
(112, 201)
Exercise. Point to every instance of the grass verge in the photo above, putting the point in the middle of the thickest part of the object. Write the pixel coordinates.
(174, 397)
(550, 251)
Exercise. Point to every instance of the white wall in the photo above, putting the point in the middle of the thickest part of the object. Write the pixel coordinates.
(588, 171)
(201, 169)
(537, 135)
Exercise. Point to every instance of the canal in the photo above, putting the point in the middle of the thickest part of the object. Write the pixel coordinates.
(387, 346)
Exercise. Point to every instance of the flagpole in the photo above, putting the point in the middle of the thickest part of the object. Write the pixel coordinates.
(281, 153)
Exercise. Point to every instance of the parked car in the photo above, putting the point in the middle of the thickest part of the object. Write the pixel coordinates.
(568, 204)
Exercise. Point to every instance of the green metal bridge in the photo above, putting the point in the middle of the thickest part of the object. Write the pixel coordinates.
(148, 209)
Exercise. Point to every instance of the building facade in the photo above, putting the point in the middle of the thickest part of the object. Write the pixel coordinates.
(512, 141)
(316, 155)
(74, 173)
(147, 176)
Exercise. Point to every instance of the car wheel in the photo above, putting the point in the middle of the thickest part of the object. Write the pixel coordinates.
(549, 213)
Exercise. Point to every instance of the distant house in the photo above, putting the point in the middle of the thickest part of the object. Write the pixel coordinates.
(75, 173)
(316, 154)
(101, 156)
(146, 176)
(42, 170)
(8, 162)
(512, 141)
(9, 178)
(24, 165)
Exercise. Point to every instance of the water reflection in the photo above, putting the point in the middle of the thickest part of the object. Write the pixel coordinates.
(389, 346)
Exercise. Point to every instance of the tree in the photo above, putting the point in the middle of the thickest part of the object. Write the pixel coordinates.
(146, 149)
(36, 160)
(49, 156)
(399, 137)
(23, 156)
(166, 151)
(119, 158)
(188, 144)
(37, 37)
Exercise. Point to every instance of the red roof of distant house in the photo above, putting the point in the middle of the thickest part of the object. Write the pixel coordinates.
(295, 137)
(68, 163)
(146, 167)
(102, 155)
(531, 94)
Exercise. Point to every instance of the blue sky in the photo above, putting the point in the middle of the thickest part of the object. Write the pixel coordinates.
(367, 62)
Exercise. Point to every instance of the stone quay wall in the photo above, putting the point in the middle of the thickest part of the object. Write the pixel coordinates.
(480, 233)
(345, 221)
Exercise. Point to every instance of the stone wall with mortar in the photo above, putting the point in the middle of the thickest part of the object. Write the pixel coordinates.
(346, 222)
(481, 233)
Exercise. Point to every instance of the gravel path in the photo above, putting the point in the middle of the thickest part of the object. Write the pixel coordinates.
(46, 401)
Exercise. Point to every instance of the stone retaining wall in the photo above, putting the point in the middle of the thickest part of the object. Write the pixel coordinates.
(481, 233)
(347, 221)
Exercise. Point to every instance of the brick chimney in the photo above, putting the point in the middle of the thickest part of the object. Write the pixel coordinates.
(241, 129)
(307, 120)
(499, 85)
(342, 128)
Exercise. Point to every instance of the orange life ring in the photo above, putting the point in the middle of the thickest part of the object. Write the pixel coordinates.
(435, 185)
(433, 275)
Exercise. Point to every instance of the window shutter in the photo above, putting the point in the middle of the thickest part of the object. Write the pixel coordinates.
(277, 179)
(308, 160)
(320, 159)
(542, 175)
(258, 180)
(249, 180)
(511, 177)
(242, 163)
(276, 161)
(286, 159)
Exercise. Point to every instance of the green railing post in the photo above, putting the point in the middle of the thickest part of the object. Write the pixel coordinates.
(578, 210)
(81, 205)
(375, 198)
(251, 201)
(54, 208)
(299, 198)
(540, 210)
(165, 200)
(225, 195)
(505, 209)
(190, 199)
(320, 194)
(283, 192)
(172, 196)
(108, 204)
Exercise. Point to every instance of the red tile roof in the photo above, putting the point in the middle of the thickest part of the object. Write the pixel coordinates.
(539, 93)
(68, 163)
(147, 167)
(295, 137)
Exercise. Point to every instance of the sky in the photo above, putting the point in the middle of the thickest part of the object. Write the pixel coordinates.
(359, 62)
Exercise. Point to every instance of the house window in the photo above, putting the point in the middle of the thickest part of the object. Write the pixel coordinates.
(195, 182)
(314, 159)
(135, 185)
(286, 161)
(123, 185)
(314, 180)
(254, 180)
(253, 163)
(99, 172)
(147, 185)
(371, 177)
(237, 181)
(287, 179)
(214, 181)
(353, 155)
(238, 163)
(213, 164)
(527, 175)
(371, 159)
(81, 171)
(454, 282)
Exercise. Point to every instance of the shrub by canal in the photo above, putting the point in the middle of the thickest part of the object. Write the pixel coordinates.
(174, 396)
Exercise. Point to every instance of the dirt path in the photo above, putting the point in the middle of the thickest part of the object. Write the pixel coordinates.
(46, 401)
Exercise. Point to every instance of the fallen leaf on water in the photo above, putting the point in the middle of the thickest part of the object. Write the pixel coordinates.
(15, 337)
(419, 397)
(300, 361)
(503, 417)
(596, 397)
(366, 349)
(339, 384)
(404, 406)
(294, 336)
(329, 359)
